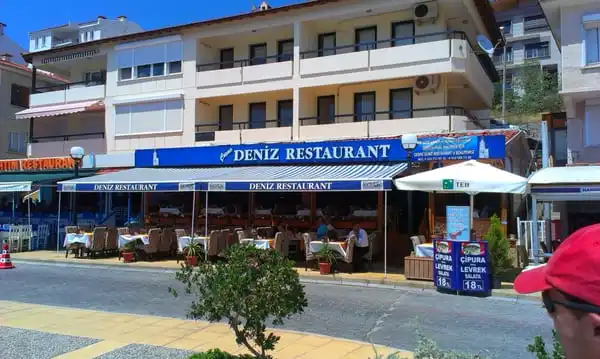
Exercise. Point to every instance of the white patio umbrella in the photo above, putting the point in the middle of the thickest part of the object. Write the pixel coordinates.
(470, 177)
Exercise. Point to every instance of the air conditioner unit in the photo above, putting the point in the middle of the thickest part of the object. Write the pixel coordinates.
(426, 83)
(425, 12)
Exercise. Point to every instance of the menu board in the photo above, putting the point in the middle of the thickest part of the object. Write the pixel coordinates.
(458, 223)
(473, 267)
(445, 259)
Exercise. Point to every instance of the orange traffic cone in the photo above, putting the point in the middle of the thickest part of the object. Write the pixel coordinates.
(5, 262)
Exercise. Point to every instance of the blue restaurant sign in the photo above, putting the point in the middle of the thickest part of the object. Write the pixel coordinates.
(461, 266)
(354, 151)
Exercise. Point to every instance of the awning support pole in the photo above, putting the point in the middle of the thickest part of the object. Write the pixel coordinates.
(58, 224)
(129, 207)
(534, 230)
(206, 227)
(29, 220)
(193, 215)
(385, 220)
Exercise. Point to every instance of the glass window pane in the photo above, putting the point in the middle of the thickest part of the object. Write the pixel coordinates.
(174, 67)
(226, 118)
(364, 107)
(126, 73)
(326, 110)
(401, 104)
(365, 39)
(227, 58)
(285, 115)
(286, 50)
(258, 115)
(158, 69)
(258, 54)
(143, 71)
(591, 46)
(403, 34)
(327, 45)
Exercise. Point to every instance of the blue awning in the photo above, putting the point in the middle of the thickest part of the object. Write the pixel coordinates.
(372, 177)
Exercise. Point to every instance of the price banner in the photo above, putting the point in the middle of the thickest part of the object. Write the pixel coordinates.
(473, 267)
(445, 259)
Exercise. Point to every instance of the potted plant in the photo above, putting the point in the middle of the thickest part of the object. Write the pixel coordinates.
(128, 252)
(326, 257)
(191, 252)
(498, 251)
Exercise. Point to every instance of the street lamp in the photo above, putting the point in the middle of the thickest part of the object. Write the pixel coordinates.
(409, 143)
(77, 154)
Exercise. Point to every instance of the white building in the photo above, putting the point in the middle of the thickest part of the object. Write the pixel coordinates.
(76, 33)
(317, 70)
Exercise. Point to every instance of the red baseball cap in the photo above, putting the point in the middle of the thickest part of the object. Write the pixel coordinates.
(573, 269)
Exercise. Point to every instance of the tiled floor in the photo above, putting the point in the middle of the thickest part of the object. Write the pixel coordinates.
(114, 335)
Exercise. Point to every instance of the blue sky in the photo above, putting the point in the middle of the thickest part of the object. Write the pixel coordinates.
(21, 17)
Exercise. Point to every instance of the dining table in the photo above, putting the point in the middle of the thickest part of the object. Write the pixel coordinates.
(340, 247)
(80, 238)
(259, 243)
(126, 238)
(183, 241)
(424, 250)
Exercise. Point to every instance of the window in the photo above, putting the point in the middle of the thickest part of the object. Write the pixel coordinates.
(592, 124)
(19, 96)
(403, 33)
(506, 26)
(592, 46)
(258, 115)
(43, 41)
(258, 54)
(536, 22)
(225, 117)
(365, 38)
(17, 141)
(38, 42)
(327, 44)
(364, 106)
(285, 113)
(150, 61)
(325, 109)
(285, 50)
(401, 103)
(499, 55)
(227, 60)
(537, 50)
(150, 117)
(93, 78)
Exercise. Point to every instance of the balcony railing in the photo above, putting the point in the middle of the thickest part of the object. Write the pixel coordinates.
(535, 24)
(499, 58)
(73, 137)
(63, 42)
(222, 65)
(392, 115)
(484, 60)
(537, 53)
(206, 132)
(70, 85)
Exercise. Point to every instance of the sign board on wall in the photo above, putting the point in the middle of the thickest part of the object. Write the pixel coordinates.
(354, 151)
(37, 164)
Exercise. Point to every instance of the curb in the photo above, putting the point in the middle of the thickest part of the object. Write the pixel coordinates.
(365, 283)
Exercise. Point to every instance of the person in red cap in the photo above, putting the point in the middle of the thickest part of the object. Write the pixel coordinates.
(570, 286)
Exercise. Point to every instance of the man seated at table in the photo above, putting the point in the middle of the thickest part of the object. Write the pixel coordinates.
(321, 229)
(361, 247)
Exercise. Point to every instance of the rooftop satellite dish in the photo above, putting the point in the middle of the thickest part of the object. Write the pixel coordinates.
(485, 44)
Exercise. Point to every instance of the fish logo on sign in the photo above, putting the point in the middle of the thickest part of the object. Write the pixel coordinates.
(216, 186)
(448, 184)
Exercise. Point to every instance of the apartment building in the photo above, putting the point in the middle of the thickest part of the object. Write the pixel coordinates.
(9, 46)
(76, 33)
(315, 71)
(575, 25)
(15, 82)
(528, 37)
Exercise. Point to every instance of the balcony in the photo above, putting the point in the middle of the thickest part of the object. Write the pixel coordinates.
(425, 54)
(72, 92)
(387, 123)
(499, 57)
(56, 146)
(244, 71)
(243, 132)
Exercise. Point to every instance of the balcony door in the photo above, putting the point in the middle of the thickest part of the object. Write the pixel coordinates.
(327, 43)
(226, 59)
(364, 106)
(285, 50)
(325, 109)
(285, 113)
(401, 103)
(225, 117)
(365, 38)
(258, 54)
(258, 115)
(403, 33)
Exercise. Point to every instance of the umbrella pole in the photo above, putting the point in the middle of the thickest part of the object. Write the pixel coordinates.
(471, 200)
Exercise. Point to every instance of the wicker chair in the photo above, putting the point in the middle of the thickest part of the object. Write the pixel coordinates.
(278, 242)
(213, 243)
(346, 264)
(373, 249)
(75, 248)
(112, 241)
(154, 243)
(309, 256)
(223, 242)
(98, 241)
(286, 239)
(166, 241)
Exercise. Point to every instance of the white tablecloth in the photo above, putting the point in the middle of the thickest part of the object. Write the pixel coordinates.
(316, 246)
(258, 243)
(213, 211)
(183, 241)
(72, 238)
(365, 213)
(306, 213)
(126, 238)
(424, 250)
(263, 212)
(174, 211)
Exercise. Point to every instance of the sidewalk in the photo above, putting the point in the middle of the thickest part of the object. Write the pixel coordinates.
(369, 278)
(91, 334)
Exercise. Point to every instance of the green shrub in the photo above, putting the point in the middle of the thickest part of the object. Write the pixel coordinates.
(497, 246)
(538, 347)
(249, 287)
(218, 354)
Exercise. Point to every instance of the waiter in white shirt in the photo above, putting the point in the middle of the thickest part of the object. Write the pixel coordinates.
(361, 247)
